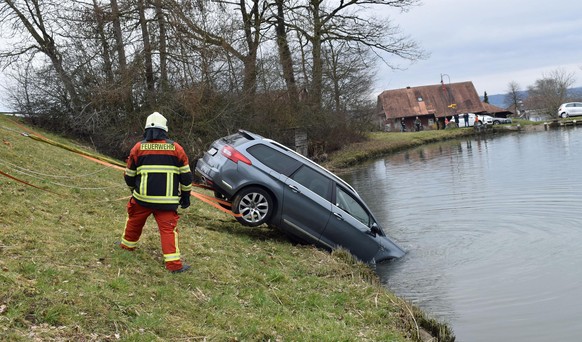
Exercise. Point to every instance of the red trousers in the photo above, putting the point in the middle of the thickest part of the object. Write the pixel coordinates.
(167, 224)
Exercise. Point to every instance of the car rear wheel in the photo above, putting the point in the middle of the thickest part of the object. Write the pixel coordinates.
(255, 206)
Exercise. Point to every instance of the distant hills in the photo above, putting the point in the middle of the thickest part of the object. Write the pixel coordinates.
(499, 99)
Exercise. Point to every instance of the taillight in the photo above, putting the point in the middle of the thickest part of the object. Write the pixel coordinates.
(234, 155)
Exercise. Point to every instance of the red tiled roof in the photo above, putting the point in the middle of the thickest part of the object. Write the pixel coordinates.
(430, 99)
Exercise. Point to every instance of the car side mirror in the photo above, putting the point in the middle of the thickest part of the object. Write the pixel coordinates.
(374, 230)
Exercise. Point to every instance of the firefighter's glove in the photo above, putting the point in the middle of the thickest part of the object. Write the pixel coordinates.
(185, 200)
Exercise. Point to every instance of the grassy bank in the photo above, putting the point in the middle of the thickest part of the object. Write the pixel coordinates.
(62, 277)
(383, 143)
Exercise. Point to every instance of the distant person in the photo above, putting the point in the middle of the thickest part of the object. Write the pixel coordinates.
(417, 124)
(456, 117)
(466, 117)
(402, 125)
(476, 121)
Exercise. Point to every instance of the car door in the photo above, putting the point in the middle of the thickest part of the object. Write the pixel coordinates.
(349, 226)
(306, 207)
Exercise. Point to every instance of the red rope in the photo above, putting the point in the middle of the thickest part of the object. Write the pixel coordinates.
(23, 182)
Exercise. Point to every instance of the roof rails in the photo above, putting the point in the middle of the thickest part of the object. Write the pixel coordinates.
(343, 182)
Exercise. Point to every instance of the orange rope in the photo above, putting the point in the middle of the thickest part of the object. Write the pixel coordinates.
(215, 202)
(23, 182)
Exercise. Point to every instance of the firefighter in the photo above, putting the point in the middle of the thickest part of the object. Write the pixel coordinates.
(159, 177)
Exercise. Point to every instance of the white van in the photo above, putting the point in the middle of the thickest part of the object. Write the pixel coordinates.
(483, 119)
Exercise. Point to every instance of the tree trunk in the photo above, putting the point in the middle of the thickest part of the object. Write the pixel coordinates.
(163, 46)
(107, 65)
(124, 79)
(252, 29)
(147, 51)
(118, 38)
(317, 68)
(285, 57)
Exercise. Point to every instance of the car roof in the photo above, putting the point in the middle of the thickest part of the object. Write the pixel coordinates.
(305, 160)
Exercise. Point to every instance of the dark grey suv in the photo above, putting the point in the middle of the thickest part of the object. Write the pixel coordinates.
(269, 183)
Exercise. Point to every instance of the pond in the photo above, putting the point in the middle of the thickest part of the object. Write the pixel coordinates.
(493, 231)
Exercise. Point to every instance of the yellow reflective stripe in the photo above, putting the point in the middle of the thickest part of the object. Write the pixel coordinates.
(130, 172)
(157, 199)
(172, 257)
(143, 184)
(157, 169)
(184, 169)
(130, 244)
(185, 187)
(169, 185)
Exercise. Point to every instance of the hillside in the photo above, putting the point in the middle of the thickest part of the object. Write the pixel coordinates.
(499, 99)
(63, 278)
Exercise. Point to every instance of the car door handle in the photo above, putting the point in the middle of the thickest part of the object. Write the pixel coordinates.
(338, 216)
(294, 188)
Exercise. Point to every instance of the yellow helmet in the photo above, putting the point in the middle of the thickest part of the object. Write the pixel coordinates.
(156, 120)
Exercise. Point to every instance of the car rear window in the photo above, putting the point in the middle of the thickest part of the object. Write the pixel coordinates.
(274, 159)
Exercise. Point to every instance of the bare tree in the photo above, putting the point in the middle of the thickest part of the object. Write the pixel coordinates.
(30, 16)
(147, 49)
(285, 56)
(319, 22)
(227, 34)
(549, 92)
(513, 98)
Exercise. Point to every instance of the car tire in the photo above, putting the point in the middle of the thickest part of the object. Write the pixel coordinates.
(254, 204)
(564, 115)
(496, 122)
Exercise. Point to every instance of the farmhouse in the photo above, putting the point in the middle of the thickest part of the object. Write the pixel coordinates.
(430, 103)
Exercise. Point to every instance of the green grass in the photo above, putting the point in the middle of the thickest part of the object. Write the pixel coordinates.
(383, 143)
(62, 277)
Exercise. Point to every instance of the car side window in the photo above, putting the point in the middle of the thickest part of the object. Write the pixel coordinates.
(313, 180)
(349, 204)
(274, 159)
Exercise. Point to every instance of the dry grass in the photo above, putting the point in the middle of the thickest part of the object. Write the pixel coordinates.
(63, 279)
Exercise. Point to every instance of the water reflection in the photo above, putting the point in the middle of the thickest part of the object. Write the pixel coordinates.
(491, 227)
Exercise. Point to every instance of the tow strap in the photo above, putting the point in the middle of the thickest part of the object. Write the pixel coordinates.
(23, 182)
(215, 202)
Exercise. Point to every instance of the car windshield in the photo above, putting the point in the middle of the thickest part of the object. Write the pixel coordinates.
(347, 203)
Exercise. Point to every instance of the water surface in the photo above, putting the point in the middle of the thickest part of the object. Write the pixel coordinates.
(493, 232)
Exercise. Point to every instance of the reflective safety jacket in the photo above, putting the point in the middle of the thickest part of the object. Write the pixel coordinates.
(158, 171)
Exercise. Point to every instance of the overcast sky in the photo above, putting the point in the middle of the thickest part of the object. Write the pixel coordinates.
(490, 43)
